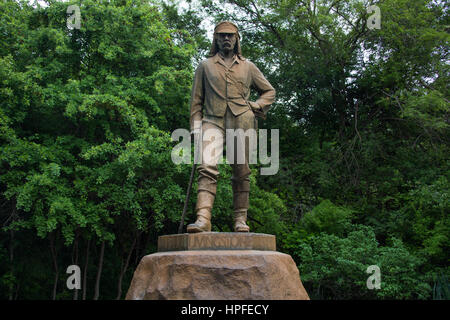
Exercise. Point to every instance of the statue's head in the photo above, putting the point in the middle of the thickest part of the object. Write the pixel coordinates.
(226, 38)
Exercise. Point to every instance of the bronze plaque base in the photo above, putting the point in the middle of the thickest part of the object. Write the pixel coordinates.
(217, 241)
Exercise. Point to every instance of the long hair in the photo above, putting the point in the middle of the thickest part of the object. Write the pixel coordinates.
(215, 48)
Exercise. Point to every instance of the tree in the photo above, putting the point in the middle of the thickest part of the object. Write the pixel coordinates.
(84, 118)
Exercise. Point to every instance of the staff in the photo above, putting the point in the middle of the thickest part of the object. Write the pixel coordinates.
(191, 180)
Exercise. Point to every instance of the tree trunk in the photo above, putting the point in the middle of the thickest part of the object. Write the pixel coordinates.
(147, 242)
(99, 271)
(124, 269)
(55, 265)
(11, 261)
(138, 244)
(11, 254)
(75, 262)
(86, 263)
(142, 246)
(16, 295)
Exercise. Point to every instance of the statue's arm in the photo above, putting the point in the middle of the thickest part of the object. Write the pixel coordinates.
(265, 90)
(197, 97)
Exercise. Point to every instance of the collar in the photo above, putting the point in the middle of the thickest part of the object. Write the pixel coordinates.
(219, 59)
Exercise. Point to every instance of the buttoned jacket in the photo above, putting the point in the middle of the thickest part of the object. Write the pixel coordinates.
(217, 86)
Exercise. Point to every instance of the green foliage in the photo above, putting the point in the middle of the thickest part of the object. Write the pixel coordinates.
(335, 267)
(85, 151)
(428, 208)
(327, 217)
(86, 116)
(363, 119)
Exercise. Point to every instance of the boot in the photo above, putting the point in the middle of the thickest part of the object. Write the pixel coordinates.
(205, 201)
(240, 219)
(203, 222)
(240, 204)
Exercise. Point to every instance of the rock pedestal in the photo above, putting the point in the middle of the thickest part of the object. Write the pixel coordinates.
(223, 266)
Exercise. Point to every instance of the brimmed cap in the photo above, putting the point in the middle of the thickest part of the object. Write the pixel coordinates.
(226, 27)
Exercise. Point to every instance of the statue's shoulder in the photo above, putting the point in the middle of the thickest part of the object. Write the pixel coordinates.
(241, 58)
(250, 65)
(205, 62)
(247, 61)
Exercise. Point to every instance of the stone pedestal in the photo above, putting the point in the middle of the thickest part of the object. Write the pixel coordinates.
(217, 241)
(223, 266)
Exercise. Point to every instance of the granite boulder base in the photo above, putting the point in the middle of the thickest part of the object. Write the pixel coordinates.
(217, 269)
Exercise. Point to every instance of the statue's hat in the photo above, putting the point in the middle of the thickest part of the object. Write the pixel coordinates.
(226, 27)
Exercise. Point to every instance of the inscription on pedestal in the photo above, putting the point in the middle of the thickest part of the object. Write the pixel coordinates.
(217, 241)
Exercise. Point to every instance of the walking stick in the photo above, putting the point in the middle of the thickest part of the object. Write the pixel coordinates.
(188, 192)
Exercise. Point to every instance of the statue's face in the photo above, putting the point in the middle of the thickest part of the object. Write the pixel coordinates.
(226, 41)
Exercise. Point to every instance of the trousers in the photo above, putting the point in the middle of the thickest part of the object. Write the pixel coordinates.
(207, 170)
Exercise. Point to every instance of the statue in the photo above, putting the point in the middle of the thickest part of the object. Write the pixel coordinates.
(219, 101)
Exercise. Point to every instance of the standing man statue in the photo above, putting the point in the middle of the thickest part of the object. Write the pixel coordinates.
(219, 101)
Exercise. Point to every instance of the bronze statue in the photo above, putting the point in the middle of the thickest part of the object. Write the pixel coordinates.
(219, 100)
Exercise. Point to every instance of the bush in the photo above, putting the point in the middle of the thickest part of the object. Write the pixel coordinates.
(333, 267)
(327, 217)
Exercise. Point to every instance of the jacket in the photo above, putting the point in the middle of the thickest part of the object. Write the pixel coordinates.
(217, 86)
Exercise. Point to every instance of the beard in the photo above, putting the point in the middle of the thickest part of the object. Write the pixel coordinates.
(227, 47)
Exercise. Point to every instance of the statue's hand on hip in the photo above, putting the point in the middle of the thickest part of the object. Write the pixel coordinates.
(257, 110)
